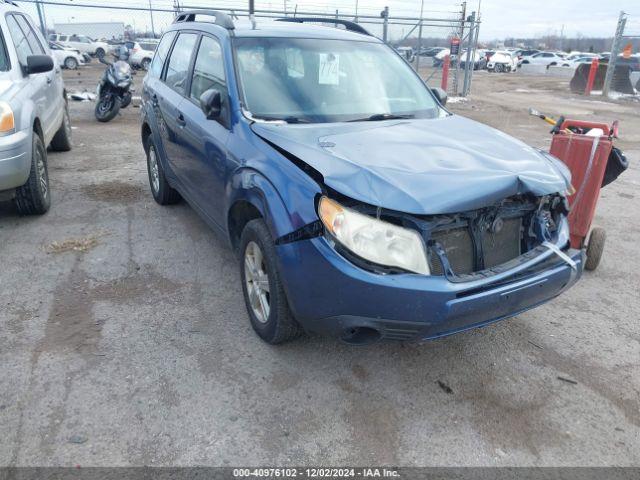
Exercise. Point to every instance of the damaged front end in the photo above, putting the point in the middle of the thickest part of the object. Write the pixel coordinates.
(462, 247)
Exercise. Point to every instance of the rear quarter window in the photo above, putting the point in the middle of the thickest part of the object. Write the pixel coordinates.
(161, 54)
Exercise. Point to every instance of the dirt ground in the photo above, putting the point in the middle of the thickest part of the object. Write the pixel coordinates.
(125, 339)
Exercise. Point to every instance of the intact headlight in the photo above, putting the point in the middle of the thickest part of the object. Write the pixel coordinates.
(7, 120)
(374, 240)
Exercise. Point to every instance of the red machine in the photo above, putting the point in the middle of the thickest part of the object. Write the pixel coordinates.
(585, 150)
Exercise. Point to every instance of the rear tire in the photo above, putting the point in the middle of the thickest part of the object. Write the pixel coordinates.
(100, 53)
(499, 68)
(162, 192)
(34, 197)
(595, 247)
(264, 295)
(62, 140)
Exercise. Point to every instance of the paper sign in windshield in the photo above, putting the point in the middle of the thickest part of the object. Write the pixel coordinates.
(329, 68)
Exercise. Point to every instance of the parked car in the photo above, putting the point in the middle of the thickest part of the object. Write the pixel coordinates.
(33, 112)
(477, 59)
(431, 51)
(68, 58)
(82, 43)
(142, 53)
(357, 204)
(548, 59)
(503, 61)
(633, 62)
(407, 53)
(576, 59)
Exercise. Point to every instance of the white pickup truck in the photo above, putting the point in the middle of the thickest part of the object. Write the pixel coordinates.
(82, 43)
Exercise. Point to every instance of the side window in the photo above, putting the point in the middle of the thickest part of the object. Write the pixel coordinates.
(23, 49)
(64, 38)
(208, 71)
(178, 68)
(34, 43)
(161, 54)
(5, 65)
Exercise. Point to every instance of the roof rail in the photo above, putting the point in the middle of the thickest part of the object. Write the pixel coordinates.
(222, 19)
(350, 26)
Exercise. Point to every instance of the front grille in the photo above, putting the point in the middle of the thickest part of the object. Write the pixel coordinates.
(498, 247)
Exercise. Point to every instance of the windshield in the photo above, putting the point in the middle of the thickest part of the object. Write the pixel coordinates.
(312, 80)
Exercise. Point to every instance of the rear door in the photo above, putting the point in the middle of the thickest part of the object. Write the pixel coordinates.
(170, 93)
(203, 157)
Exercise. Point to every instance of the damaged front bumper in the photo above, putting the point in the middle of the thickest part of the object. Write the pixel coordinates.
(330, 295)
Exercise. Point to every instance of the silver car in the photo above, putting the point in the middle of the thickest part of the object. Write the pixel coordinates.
(33, 112)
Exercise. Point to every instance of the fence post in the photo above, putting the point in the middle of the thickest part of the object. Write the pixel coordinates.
(470, 62)
(445, 72)
(385, 24)
(615, 47)
(419, 39)
(592, 76)
(456, 71)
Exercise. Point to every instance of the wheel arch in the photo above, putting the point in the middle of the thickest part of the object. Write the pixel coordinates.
(253, 196)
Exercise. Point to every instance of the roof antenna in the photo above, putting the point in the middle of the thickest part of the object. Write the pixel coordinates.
(252, 12)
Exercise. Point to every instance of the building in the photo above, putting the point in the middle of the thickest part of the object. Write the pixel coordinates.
(95, 30)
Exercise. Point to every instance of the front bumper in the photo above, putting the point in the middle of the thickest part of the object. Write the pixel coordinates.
(330, 295)
(15, 159)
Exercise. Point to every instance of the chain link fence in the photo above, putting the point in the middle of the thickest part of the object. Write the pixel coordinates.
(627, 35)
(423, 36)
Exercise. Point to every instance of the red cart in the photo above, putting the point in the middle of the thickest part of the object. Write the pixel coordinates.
(586, 155)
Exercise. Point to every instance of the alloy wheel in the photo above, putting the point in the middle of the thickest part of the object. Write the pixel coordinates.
(153, 170)
(257, 282)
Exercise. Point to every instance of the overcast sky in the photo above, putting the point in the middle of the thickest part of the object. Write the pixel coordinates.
(501, 18)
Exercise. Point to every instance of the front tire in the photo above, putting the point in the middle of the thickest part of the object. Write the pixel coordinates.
(62, 140)
(100, 53)
(499, 68)
(70, 63)
(264, 295)
(34, 197)
(162, 192)
(107, 108)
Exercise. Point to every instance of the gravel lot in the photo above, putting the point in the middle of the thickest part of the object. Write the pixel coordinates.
(125, 339)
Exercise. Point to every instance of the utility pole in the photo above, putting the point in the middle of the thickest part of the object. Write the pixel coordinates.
(419, 39)
(615, 48)
(356, 19)
(385, 24)
(153, 28)
(43, 23)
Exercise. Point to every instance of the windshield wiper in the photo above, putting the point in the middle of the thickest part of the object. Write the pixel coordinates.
(289, 119)
(376, 117)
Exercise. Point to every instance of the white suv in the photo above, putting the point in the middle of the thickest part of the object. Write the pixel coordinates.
(33, 112)
(82, 43)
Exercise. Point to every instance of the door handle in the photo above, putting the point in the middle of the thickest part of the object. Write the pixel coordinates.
(154, 100)
(180, 120)
(49, 79)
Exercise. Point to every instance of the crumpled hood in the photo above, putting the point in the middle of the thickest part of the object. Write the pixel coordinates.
(423, 166)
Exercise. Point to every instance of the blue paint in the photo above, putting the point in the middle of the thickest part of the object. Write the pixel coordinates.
(423, 166)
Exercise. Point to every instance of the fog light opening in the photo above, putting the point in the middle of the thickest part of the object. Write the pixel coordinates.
(360, 336)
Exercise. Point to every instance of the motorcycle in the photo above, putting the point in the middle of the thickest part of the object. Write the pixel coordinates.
(114, 90)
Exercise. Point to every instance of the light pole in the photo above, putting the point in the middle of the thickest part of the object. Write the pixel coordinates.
(153, 29)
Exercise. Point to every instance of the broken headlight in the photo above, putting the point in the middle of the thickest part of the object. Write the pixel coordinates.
(374, 240)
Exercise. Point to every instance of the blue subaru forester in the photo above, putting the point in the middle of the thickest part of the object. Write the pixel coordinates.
(358, 205)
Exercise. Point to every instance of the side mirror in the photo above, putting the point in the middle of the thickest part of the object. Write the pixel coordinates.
(39, 64)
(441, 95)
(211, 104)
